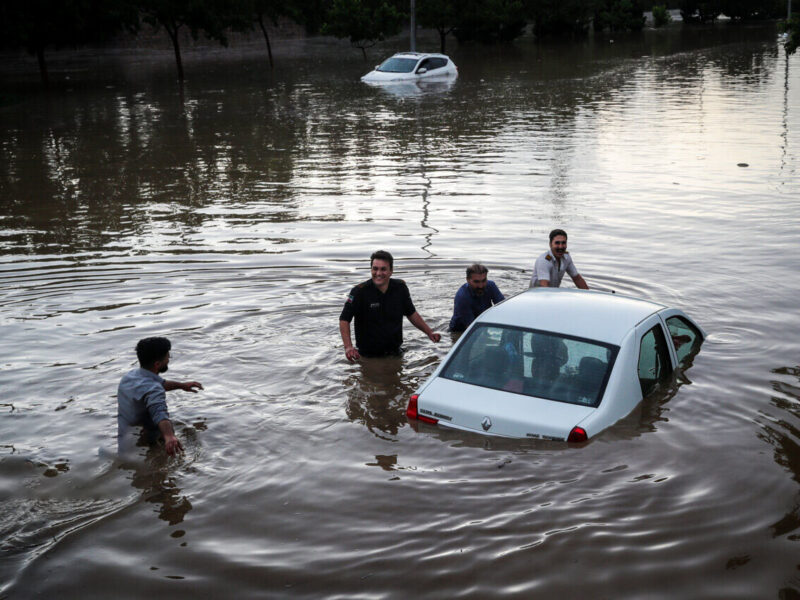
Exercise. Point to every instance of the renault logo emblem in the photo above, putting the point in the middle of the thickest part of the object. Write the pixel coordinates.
(486, 423)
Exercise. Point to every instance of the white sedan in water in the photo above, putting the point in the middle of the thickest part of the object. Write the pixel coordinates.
(412, 66)
(556, 364)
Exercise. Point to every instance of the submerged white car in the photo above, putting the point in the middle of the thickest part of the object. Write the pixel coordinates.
(412, 66)
(556, 364)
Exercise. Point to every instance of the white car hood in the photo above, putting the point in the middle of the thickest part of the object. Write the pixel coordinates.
(466, 406)
(377, 76)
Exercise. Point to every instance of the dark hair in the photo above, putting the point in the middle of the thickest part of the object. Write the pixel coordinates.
(556, 232)
(476, 269)
(151, 349)
(382, 255)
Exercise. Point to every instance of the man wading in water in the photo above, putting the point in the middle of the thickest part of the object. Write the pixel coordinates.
(378, 306)
(142, 398)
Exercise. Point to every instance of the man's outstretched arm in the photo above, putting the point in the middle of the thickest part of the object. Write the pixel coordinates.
(418, 322)
(580, 282)
(186, 386)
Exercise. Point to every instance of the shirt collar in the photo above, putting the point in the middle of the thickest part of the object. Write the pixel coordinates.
(150, 375)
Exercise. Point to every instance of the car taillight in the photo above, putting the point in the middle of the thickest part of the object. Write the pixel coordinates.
(412, 412)
(578, 434)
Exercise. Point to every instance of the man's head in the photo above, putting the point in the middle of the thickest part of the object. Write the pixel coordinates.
(153, 353)
(558, 242)
(476, 278)
(381, 267)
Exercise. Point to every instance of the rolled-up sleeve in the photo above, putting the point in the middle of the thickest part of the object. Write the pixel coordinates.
(156, 403)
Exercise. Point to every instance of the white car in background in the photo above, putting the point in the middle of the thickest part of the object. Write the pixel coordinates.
(412, 66)
(556, 364)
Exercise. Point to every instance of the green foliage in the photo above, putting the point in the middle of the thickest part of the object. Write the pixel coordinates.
(560, 17)
(792, 30)
(441, 15)
(661, 15)
(38, 25)
(619, 15)
(210, 17)
(365, 22)
(490, 20)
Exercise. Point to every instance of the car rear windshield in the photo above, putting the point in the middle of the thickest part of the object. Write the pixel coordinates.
(398, 65)
(533, 363)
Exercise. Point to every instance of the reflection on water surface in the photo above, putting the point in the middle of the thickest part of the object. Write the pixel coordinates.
(234, 218)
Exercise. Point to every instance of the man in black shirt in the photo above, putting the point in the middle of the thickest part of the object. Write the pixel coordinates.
(378, 306)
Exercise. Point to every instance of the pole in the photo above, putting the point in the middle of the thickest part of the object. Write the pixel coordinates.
(414, 26)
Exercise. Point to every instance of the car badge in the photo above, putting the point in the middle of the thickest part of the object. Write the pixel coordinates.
(486, 423)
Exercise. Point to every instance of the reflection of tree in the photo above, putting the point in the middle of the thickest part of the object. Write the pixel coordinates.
(98, 165)
(782, 434)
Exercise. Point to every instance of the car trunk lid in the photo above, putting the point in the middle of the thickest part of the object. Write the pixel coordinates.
(498, 412)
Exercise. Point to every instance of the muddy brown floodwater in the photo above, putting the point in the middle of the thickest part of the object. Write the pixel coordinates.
(235, 217)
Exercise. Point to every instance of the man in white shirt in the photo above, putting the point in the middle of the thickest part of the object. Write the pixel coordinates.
(549, 269)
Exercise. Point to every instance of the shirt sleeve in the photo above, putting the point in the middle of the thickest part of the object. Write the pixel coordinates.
(542, 269)
(349, 306)
(462, 312)
(571, 270)
(496, 294)
(408, 305)
(156, 402)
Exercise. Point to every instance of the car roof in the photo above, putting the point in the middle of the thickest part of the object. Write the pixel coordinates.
(601, 316)
(419, 55)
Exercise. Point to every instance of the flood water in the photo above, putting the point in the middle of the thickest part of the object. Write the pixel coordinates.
(235, 217)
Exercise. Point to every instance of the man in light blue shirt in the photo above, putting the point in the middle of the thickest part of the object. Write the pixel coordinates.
(473, 297)
(142, 398)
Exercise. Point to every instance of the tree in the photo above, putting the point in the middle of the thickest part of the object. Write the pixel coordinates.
(247, 13)
(661, 15)
(37, 25)
(490, 20)
(365, 22)
(441, 15)
(560, 17)
(619, 15)
(208, 16)
(791, 28)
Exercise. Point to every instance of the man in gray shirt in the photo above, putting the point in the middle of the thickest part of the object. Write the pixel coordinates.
(550, 267)
(142, 398)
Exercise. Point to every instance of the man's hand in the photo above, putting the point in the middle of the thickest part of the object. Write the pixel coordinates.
(434, 337)
(190, 386)
(172, 445)
(351, 353)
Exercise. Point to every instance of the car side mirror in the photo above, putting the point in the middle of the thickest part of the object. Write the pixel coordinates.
(422, 70)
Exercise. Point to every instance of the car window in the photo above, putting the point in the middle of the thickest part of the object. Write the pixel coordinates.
(533, 363)
(655, 365)
(398, 65)
(425, 64)
(437, 63)
(686, 338)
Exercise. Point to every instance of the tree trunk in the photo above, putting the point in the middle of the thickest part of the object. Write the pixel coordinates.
(364, 52)
(442, 36)
(42, 66)
(266, 39)
(173, 35)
